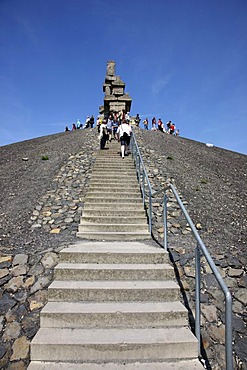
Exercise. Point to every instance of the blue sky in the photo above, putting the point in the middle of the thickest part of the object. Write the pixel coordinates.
(181, 60)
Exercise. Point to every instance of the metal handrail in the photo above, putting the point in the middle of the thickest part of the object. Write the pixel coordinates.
(200, 249)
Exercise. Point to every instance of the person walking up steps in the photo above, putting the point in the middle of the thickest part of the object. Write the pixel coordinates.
(124, 132)
(103, 134)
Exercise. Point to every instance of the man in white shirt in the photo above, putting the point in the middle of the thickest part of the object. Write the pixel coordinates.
(124, 132)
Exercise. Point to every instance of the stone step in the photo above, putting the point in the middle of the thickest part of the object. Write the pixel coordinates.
(114, 182)
(128, 345)
(121, 177)
(113, 213)
(177, 365)
(113, 314)
(113, 163)
(113, 154)
(109, 188)
(101, 291)
(121, 172)
(109, 195)
(117, 169)
(97, 271)
(116, 219)
(113, 252)
(115, 158)
(113, 175)
(116, 236)
(114, 227)
(117, 202)
(110, 206)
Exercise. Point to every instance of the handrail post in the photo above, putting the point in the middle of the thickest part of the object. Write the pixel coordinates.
(150, 212)
(143, 187)
(139, 165)
(198, 297)
(228, 332)
(165, 221)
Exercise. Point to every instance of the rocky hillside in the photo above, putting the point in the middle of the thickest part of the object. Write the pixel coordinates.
(28, 171)
(42, 185)
(212, 180)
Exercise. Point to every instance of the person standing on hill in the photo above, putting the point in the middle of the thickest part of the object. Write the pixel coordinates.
(172, 128)
(160, 125)
(154, 124)
(124, 132)
(145, 123)
(114, 128)
(91, 121)
(103, 134)
(109, 127)
(78, 124)
(137, 120)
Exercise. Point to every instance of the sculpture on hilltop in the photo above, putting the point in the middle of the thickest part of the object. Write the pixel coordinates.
(115, 99)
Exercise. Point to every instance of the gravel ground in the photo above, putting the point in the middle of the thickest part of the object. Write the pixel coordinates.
(23, 182)
(212, 180)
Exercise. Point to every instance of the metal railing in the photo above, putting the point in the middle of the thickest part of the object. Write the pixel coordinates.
(147, 192)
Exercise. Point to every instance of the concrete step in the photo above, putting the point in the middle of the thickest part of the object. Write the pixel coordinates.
(114, 154)
(113, 180)
(87, 226)
(113, 175)
(121, 172)
(116, 219)
(113, 252)
(115, 158)
(106, 183)
(109, 188)
(177, 365)
(115, 201)
(109, 195)
(113, 213)
(117, 236)
(113, 165)
(113, 291)
(105, 178)
(109, 207)
(113, 314)
(151, 344)
(97, 271)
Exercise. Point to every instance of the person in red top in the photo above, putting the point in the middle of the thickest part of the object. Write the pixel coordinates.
(172, 128)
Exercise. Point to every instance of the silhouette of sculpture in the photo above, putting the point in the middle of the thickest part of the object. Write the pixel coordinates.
(115, 98)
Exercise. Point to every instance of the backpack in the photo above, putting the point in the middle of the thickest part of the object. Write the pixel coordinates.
(125, 135)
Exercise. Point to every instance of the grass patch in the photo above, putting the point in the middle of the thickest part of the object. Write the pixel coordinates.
(203, 181)
(170, 158)
(44, 157)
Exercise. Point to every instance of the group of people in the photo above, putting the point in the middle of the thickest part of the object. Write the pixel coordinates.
(117, 127)
(170, 127)
(78, 125)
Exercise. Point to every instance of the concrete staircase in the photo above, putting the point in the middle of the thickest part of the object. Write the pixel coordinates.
(114, 305)
(113, 208)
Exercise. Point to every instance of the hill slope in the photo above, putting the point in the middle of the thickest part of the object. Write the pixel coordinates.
(212, 180)
(24, 182)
